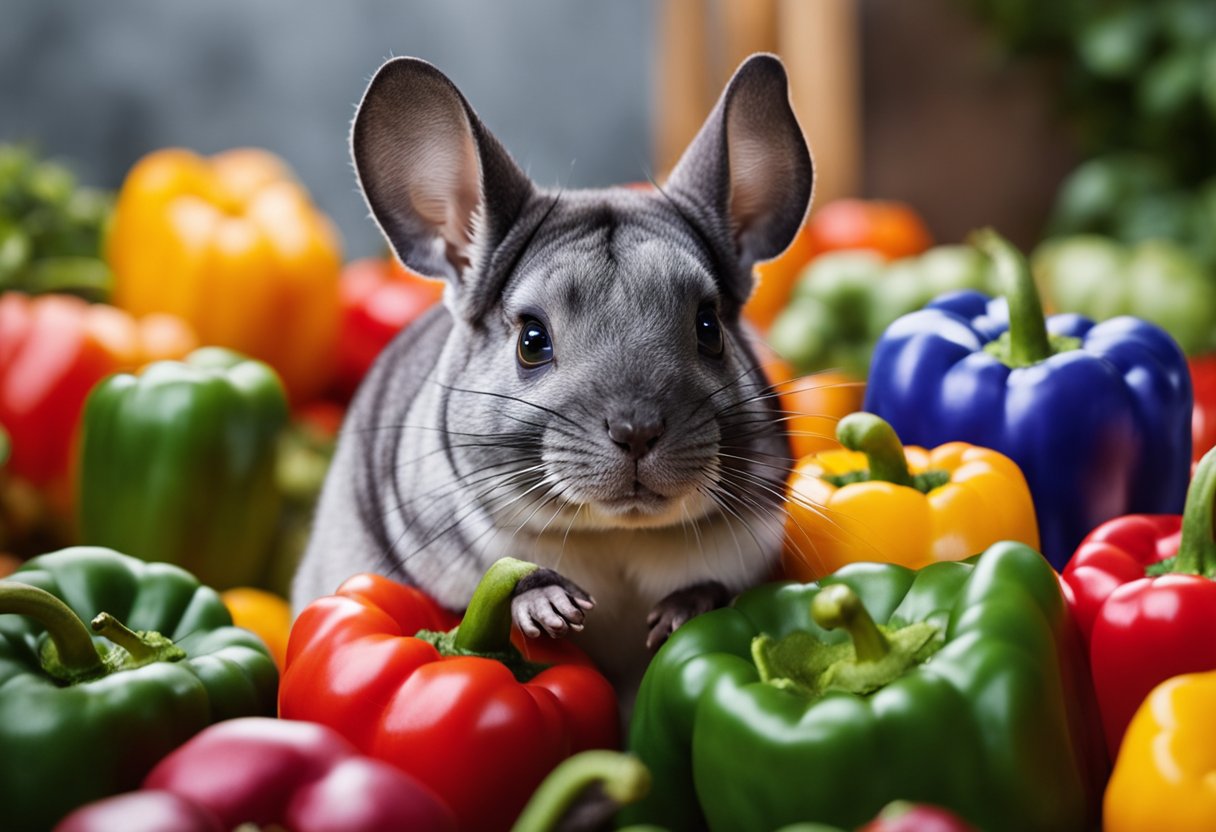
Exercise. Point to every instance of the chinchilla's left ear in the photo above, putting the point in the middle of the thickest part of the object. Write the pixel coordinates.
(439, 184)
(747, 177)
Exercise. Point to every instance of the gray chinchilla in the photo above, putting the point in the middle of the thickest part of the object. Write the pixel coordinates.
(586, 397)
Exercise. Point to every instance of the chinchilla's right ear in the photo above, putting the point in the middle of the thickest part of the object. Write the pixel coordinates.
(438, 183)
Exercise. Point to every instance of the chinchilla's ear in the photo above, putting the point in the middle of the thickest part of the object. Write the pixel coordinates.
(440, 186)
(747, 176)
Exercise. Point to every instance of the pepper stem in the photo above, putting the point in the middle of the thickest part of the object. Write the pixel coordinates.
(116, 632)
(623, 777)
(875, 438)
(486, 627)
(1028, 340)
(78, 657)
(838, 607)
(1197, 549)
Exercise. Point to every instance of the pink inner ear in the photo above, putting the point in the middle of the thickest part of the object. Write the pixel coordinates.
(757, 173)
(444, 178)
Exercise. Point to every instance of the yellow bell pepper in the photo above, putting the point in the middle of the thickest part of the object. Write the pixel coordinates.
(234, 245)
(878, 501)
(1165, 775)
(264, 614)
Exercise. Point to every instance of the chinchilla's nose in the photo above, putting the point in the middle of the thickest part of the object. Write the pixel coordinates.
(635, 431)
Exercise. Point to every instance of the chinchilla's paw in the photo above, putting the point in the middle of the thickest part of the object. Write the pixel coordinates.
(679, 607)
(546, 601)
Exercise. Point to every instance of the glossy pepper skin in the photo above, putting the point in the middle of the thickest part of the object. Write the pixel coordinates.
(1203, 416)
(988, 726)
(379, 298)
(1098, 417)
(378, 662)
(879, 501)
(74, 730)
(845, 299)
(192, 235)
(1144, 593)
(177, 464)
(294, 775)
(53, 349)
(1164, 776)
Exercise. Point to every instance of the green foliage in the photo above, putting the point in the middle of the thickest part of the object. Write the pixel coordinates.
(51, 229)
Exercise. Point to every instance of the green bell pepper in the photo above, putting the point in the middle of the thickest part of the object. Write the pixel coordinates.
(967, 694)
(87, 714)
(178, 465)
(845, 300)
(1156, 280)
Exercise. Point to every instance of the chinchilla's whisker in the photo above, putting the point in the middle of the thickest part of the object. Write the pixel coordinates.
(748, 482)
(461, 485)
(730, 527)
(533, 447)
(562, 551)
(785, 469)
(403, 427)
(550, 411)
(697, 407)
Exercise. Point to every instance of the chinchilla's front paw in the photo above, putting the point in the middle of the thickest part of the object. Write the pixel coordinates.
(680, 606)
(547, 601)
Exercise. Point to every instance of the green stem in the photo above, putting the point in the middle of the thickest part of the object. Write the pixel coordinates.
(77, 654)
(1197, 549)
(486, 627)
(1028, 341)
(836, 607)
(623, 777)
(876, 439)
(116, 632)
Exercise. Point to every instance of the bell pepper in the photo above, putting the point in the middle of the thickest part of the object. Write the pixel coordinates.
(1098, 417)
(85, 714)
(892, 229)
(234, 245)
(1163, 778)
(877, 500)
(812, 405)
(956, 685)
(379, 298)
(53, 349)
(1144, 594)
(1155, 280)
(263, 772)
(1203, 415)
(475, 712)
(845, 300)
(264, 614)
(178, 464)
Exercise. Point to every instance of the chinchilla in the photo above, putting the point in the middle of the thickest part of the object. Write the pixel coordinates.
(587, 396)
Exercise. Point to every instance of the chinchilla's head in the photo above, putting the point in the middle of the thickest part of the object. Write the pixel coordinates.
(598, 373)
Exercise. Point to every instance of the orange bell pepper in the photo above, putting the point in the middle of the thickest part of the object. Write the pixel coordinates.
(264, 614)
(53, 349)
(1165, 775)
(813, 405)
(234, 245)
(879, 501)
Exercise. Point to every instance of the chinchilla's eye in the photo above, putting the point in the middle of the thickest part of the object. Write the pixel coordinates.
(709, 332)
(535, 346)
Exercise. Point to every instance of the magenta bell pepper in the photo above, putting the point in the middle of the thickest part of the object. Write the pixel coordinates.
(297, 775)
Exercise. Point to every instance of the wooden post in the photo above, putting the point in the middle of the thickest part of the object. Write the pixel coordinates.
(820, 44)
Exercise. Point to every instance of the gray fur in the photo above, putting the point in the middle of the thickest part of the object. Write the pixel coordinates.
(453, 455)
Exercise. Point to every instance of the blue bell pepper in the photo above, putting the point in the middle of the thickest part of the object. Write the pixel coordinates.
(1098, 416)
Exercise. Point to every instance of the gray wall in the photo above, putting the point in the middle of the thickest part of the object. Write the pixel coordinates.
(563, 83)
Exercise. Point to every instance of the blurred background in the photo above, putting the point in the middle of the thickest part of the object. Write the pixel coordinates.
(913, 101)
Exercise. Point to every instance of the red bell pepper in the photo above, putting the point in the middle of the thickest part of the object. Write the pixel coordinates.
(476, 712)
(1144, 595)
(259, 771)
(53, 349)
(1203, 417)
(378, 299)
